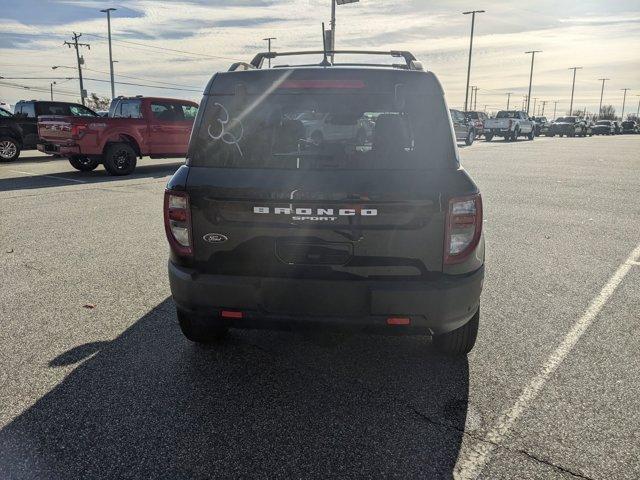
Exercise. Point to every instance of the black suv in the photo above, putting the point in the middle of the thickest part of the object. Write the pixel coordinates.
(271, 228)
(20, 130)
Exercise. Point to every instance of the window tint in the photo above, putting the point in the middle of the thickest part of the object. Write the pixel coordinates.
(47, 108)
(167, 112)
(311, 129)
(127, 109)
(80, 111)
(28, 110)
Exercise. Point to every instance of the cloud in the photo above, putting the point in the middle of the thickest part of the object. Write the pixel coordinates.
(603, 38)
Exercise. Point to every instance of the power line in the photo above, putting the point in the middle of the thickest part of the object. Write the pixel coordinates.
(184, 52)
(101, 80)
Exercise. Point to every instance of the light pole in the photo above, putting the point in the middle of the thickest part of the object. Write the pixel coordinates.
(268, 40)
(601, 95)
(333, 21)
(473, 22)
(51, 85)
(108, 12)
(544, 103)
(573, 86)
(508, 99)
(624, 99)
(533, 56)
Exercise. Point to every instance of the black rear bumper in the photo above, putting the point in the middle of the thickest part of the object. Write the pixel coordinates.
(434, 306)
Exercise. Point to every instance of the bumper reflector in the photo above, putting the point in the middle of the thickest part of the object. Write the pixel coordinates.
(398, 321)
(230, 314)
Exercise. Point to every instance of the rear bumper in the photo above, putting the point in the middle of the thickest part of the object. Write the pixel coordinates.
(64, 150)
(279, 303)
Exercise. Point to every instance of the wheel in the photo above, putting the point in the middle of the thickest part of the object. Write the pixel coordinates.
(488, 137)
(460, 341)
(84, 164)
(198, 330)
(531, 135)
(9, 149)
(470, 136)
(120, 159)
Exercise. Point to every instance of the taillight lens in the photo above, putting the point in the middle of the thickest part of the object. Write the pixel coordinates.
(77, 131)
(177, 222)
(463, 227)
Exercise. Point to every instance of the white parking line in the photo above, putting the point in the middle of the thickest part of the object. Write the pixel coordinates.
(471, 465)
(48, 176)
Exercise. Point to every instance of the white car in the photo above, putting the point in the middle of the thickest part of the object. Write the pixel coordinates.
(321, 127)
(509, 124)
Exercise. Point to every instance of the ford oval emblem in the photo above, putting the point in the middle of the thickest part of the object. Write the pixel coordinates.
(215, 238)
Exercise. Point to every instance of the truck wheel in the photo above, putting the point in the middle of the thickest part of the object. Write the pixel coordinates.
(84, 164)
(461, 340)
(488, 137)
(198, 330)
(9, 149)
(120, 159)
(470, 136)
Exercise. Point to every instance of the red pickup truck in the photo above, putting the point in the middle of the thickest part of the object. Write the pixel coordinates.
(135, 127)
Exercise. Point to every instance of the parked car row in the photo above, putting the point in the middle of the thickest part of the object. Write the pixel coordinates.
(134, 127)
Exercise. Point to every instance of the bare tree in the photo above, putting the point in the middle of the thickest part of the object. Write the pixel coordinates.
(608, 112)
(98, 103)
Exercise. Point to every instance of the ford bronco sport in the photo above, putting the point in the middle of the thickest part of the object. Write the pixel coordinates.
(270, 228)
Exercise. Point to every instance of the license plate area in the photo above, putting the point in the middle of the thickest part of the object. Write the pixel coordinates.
(296, 252)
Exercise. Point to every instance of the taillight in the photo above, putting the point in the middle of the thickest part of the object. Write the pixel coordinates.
(177, 222)
(77, 131)
(463, 227)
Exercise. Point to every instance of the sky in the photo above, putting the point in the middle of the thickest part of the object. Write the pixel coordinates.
(179, 45)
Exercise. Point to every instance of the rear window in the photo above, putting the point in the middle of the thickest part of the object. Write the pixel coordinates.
(173, 112)
(27, 110)
(46, 108)
(507, 115)
(325, 123)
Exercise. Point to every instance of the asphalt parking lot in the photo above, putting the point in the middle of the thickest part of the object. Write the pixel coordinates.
(98, 382)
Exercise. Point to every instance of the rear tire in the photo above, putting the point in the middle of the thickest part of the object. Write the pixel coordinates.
(120, 159)
(84, 164)
(460, 341)
(470, 137)
(488, 137)
(198, 330)
(9, 149)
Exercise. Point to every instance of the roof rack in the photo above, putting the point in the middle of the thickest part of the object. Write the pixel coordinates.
(410, 61)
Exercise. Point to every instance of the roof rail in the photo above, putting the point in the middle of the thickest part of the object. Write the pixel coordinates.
(410, 61)
(241, 66)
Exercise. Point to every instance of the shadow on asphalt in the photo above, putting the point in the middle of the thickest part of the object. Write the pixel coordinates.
(149, 404)
(74, 177)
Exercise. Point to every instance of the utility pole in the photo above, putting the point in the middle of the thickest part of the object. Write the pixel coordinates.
(51, 85)
(573, 86)
(601, 95)
(108, 12)
(76, 45)
(535, 100)
(638, 112)
(508, 99)
(544, 103)
(268, 40)
(473, 22)
(533, 56)
(525, 101)
(555, 107)
(475, 102)
(624, 99)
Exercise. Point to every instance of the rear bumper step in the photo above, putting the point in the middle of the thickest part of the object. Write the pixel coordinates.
(437, 306)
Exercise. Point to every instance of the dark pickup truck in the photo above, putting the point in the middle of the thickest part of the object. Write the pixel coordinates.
(19, 131)
(136, 127)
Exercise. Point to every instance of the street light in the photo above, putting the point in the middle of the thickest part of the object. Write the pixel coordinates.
(108, 12)
(473, 22)
(533, 56)
(573, 86)
(51, 85)
(333, 21)
(268, 40)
